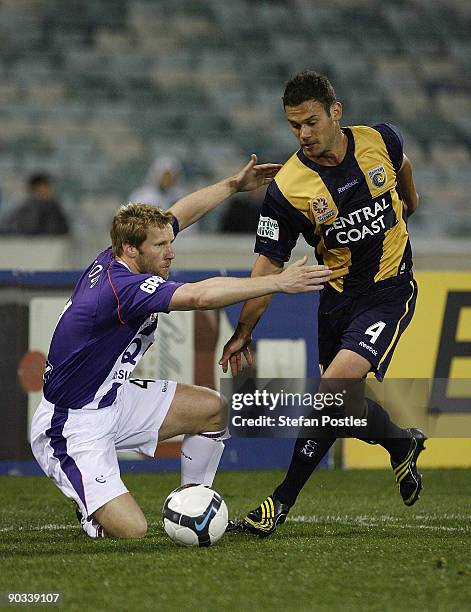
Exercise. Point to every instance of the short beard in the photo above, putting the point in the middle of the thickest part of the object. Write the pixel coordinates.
(141, 264)
(144, 269)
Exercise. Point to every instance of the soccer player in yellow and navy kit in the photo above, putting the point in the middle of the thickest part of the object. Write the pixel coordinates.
(349, 192)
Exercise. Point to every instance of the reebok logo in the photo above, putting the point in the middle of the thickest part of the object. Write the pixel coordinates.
(368, 348)
(347, 186)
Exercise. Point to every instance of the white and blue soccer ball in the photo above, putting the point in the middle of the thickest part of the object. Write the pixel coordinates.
(194, 515)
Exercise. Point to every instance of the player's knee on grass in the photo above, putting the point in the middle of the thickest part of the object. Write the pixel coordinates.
(134, 528)
(131, 531)
(122, 518)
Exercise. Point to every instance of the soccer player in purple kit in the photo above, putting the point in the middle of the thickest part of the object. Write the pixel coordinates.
(91, 407)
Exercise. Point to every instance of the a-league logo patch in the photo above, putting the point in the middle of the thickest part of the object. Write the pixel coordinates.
(378, 176)
(321, 209)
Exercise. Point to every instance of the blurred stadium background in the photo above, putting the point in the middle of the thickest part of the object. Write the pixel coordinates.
(92, 92)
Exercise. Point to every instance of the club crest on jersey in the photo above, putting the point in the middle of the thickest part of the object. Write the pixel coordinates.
(321, 210)
(378, 176)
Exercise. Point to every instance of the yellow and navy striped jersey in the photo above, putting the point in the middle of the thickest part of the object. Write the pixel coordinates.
(352, 213)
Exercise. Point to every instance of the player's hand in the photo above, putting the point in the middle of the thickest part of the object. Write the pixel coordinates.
(253, 175)
(234, 349)
(300, 278)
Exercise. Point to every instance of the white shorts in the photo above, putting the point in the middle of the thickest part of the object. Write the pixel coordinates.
(77, 448)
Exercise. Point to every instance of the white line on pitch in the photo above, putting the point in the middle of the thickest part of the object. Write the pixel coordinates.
(364, 521)
(349, 521)
(50, 527)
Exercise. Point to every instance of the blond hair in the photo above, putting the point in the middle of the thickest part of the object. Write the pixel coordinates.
(131, 222)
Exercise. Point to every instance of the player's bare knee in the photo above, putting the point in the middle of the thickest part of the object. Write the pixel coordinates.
(216, 413)
(122, 518)
(134, 529)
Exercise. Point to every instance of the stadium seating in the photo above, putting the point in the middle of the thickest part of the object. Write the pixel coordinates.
(94, 92)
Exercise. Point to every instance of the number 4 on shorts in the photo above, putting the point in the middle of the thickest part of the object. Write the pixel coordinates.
(375, 330)
(141, 382)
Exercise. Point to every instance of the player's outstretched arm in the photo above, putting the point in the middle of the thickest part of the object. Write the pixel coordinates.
(223, 291)
(193, 206)
(409, 193)
(239, 343)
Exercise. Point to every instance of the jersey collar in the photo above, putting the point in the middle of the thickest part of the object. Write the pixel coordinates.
(120, 261)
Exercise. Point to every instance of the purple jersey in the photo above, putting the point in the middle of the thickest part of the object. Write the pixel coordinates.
(104, 330)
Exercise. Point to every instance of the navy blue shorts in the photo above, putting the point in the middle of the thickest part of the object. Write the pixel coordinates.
(369, 325)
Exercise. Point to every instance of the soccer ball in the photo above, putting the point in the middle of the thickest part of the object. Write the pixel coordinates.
(194, 515)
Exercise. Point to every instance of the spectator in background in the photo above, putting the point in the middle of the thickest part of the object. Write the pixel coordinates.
(242, 214)
(162, 185)
(41, 213)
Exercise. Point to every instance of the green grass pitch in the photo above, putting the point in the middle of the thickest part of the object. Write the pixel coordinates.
(350, 544)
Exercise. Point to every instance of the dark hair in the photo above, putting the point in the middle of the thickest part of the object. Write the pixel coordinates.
(309, 85)
(39, 178)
